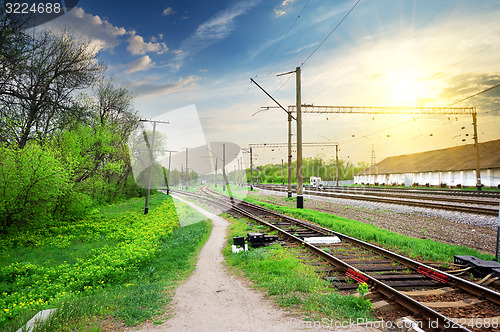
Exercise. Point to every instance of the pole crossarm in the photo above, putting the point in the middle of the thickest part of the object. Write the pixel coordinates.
(284, 145)
(154, 121)
(383, 110)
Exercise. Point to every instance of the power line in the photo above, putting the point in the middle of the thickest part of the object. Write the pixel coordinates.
(402, 123)
(473, 55)
(331, 32)
(314, 51)
(284, 36)
(477, 94)
(282, 85)
(277, 46)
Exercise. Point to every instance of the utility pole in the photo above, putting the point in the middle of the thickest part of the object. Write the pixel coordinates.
(373, 156)
(251, 170)
(240, 172)
(290, 117)
(168, 176)
(223, 167)
(216, 157)
(282, 173)
(187, 169)
(216, 175)
(300, 180)
(151, 156)
(243, 174)
(337, 163)
(498, 236)
(289, 154)
(237, 176)
(479, 186)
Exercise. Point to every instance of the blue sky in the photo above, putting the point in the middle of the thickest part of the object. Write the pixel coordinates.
(172, 54)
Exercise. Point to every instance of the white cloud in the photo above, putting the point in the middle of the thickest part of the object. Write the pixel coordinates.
(279, 12)
(137, 45)
(216, 28)
(282, 9)
(155, 39)
(300, 49)
(140, 64)
(151, 88)
(168, 11)
(104, 35)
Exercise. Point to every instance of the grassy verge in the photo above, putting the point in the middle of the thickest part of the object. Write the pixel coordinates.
(233, 191)
(115, 268)
(415, 248)
(412, 247)
(291, 283)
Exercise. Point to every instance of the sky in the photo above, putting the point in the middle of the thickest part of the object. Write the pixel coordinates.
(196, 54)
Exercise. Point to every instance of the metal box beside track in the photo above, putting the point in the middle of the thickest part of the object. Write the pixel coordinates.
(258, 239)
(479, 267)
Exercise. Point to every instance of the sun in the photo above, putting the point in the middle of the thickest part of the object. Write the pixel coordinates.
(407, 88)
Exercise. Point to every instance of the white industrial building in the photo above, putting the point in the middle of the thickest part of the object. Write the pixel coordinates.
(451, 167)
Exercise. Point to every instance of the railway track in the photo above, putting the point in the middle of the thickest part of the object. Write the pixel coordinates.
(388, 274)
(467, 204)
(430, 192)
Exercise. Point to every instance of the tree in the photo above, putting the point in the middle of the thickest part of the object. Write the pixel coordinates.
(38, 100)
(112, 108)
(32, 181)
(14, 44)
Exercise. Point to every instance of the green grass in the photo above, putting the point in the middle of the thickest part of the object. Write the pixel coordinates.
(291, 283)
(233, 191)
(413, 247)
(416, 248)
(152, 263)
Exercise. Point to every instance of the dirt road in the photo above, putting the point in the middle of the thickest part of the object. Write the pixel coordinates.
(213, 299)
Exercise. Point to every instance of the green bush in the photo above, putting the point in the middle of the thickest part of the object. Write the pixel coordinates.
(32, 184)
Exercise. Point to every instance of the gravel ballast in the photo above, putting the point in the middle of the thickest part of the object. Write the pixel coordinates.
(470, 230)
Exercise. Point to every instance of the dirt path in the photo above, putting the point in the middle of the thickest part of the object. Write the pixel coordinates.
(212, 299)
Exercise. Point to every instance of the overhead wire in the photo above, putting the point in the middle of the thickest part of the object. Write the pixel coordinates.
(322, 42)
(399, 124)
(284, 36)
(331, 32)
(277, 46)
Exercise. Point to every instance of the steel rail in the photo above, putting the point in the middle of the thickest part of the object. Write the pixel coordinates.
(414, 196)
(467, 286)
(418, 308)
(450, 192)
(442, 206)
